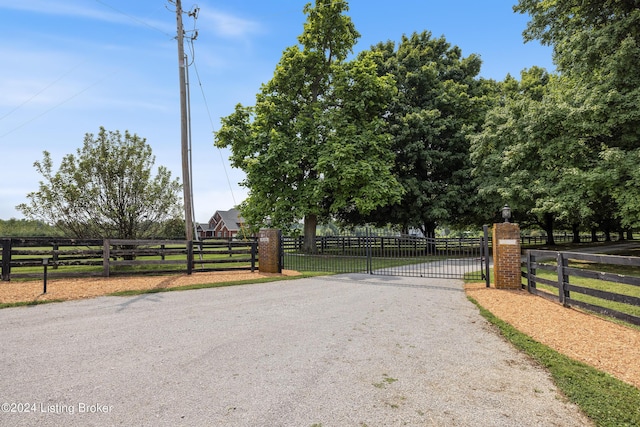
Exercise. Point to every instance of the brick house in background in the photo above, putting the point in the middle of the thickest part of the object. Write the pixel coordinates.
(226, 224)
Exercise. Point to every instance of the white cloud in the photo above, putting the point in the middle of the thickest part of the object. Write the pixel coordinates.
(80, 9)
(66, 8)
(226, 25)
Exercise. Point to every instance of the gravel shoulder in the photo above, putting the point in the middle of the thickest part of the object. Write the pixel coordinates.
(348, 350)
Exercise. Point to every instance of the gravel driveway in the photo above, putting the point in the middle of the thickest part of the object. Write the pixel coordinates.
(347, 350)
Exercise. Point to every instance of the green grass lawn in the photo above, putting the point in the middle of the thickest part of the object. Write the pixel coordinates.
(348, 264)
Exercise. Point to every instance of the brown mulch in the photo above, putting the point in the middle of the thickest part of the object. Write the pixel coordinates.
(607, 346)
(67, 289)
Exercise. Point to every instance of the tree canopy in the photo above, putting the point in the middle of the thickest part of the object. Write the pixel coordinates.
(560, 147)
(521, 154)
(315, 142)
(105, 190)
(409, 134)
(439, 101)
(596, 48)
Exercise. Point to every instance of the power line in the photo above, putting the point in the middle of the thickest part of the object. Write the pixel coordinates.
(194, 33)
(40, 91)
(58, 105)
(67, 73)
(206, 104)
(140, 21)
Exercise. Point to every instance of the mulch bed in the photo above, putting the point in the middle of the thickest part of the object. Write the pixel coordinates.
(67, 289)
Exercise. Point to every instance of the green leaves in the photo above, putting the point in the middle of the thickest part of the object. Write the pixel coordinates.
(105, 190)
(315, 144)
(586, 121)
(437, 105)
(328, 31)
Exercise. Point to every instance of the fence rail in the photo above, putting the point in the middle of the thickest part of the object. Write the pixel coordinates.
(568, 237)
(25, 257)
(615, 295)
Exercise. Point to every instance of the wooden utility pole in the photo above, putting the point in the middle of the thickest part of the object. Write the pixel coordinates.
(184, 134)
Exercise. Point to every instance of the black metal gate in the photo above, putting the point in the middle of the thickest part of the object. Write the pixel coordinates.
(391, 255)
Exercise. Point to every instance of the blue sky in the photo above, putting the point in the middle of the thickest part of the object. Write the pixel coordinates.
(71, 66)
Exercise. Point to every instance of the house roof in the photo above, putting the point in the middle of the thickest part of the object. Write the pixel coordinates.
(231, 219)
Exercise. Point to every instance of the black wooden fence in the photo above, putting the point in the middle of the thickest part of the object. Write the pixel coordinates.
(621, 304)
(568, 238)
(24, 257)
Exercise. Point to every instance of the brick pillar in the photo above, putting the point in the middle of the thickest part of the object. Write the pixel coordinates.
(269, 251)
(506, 256)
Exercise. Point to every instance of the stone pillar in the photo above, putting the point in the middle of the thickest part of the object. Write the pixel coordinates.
(506, 256)
(269, 251)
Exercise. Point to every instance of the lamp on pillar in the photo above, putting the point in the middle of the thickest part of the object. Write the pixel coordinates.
(506, 213)
(507, 257)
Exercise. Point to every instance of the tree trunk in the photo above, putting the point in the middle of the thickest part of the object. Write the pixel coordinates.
(310, 224)
(594, 235)
(548, 228)
(429, 231)
(575, 228)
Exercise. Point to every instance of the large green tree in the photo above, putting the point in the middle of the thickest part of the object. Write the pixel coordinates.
(105, 190)
(596, 45)
(530, 152)
(439, 102)
(315, 143)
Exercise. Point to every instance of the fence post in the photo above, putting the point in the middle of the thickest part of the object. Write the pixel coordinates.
(253, 255)
(189, 256)
(45, 263)
(6, 260)
(369, 260)
(56, 248)
(280, 253)
(563, 279)
(281, 250)
(106, 257)
(487, 258)
(531, 272)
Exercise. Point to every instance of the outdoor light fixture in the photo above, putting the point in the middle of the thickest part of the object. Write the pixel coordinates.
(506, 213)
